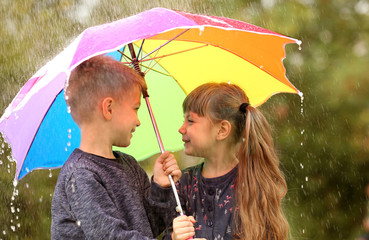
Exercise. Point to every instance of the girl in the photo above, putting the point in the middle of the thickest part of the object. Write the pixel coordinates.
(236, 192)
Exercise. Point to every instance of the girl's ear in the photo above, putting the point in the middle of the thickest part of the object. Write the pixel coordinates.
(224, 130)
(107, 108)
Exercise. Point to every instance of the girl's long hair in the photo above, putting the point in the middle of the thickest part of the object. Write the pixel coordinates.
(260, 185)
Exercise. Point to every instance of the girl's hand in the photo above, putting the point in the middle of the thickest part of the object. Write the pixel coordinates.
(166, 164)
(183, 228)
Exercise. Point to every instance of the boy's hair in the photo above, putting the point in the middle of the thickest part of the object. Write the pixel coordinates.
(260, 184)
(97, 78)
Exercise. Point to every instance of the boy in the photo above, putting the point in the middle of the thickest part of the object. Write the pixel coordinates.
(101, 194)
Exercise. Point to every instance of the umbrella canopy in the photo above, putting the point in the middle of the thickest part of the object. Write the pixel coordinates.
(176, 51)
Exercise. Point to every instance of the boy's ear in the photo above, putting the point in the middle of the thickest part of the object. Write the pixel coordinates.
(224, 130)
(107, 108)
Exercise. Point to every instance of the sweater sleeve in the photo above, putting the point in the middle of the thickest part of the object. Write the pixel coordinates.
(94, 209)
(157, 202)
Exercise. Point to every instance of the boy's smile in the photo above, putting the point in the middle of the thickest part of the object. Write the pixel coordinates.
(125, 119)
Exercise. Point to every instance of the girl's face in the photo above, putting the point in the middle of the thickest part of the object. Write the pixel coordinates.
(199, 135)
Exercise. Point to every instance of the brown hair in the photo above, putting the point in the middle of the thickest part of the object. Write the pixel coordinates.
(260, 183)
(96, 78)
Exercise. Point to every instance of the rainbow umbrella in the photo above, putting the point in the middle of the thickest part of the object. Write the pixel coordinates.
(175, 51)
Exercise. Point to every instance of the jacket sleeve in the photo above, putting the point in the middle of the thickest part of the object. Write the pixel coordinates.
(95, 210)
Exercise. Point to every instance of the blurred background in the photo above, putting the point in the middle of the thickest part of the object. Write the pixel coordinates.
(322, 139)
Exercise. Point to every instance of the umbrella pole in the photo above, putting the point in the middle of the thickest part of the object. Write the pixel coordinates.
(160, 142)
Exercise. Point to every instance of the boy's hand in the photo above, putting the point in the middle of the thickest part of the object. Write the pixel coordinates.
(164, 165)
(183, 228)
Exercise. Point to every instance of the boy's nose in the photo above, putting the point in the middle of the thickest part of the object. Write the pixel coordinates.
(138, 123)
(182, 129)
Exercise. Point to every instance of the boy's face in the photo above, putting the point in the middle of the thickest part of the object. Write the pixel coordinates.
(125, 119)
(198, 135)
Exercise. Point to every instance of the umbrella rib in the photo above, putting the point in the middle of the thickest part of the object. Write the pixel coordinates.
(155, 70)
(170, 54)
(165, 44)
(139, 51)
(124, 55)
(152, 67)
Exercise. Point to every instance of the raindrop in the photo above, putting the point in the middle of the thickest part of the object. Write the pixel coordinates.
(69, 136)
(18, 225)
(299, 43)
(15, 182)
(13, 228)
(302, 166)
(66, 149)
(302, 186)
(27, 185)
(50, 173)
(1, 162)
(202, 28)
(68, 109)
(68, 144)
(27, 169)
(78, 223)
(4, 232)
(13, 210)
(40, 200)
(306, 179)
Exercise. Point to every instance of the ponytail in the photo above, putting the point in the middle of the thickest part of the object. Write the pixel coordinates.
(260, 184)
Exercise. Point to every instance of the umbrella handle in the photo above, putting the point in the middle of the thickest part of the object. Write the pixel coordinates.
(160, 142)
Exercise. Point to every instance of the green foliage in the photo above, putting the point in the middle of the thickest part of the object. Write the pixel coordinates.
(323, 141)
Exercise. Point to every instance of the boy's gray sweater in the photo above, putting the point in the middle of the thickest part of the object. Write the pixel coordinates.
(99, 198)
